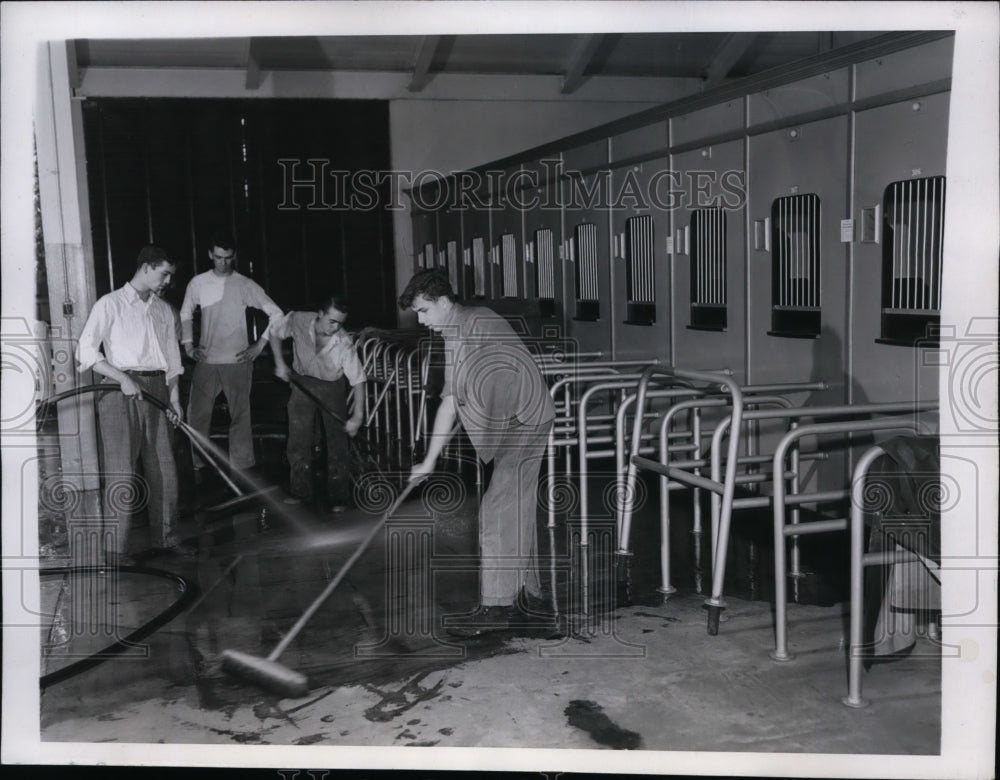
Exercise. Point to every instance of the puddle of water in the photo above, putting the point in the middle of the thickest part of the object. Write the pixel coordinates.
(588, 716)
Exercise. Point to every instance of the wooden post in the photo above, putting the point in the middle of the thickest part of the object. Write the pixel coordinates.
(69, 264)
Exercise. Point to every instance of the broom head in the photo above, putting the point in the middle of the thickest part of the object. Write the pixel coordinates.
(269, 675)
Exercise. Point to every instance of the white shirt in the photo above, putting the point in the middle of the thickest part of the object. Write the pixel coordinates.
(335, 359)
(136, 335)
(223, 301)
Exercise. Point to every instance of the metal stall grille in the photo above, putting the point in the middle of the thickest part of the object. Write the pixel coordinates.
(911, 258)
(452, 259)
(795, 266)
(588, 305)
(468, 281)
(479, 267)
(508, 250)
(708, 269)
(639, 271)
(545, 272)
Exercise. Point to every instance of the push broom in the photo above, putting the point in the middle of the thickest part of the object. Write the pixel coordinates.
(267, 673)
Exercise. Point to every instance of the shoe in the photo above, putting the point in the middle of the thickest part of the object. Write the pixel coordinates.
(533, 606)
(484, 620)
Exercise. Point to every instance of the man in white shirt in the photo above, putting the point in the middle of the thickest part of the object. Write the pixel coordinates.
(136, 330)
(322, 355)
(224, 358)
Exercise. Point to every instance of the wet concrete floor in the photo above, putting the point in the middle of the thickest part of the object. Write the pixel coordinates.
(383, 671)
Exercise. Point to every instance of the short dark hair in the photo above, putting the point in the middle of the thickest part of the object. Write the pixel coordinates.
(152, 256)
(432, 283)
(222, 239)
(335, 301)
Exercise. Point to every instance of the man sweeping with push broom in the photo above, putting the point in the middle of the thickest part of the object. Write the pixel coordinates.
(323, 354)
(494, 388)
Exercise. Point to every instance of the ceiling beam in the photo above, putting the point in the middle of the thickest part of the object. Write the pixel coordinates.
(583, 54)
(251, 62)
(733, 47)
(430, 46)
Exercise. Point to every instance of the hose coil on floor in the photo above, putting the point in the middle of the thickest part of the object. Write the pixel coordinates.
(188, 593)
(188, 589)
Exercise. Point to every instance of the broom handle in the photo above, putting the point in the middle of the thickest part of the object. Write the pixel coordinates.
(312, 397)
(319, 404)
(300, 623)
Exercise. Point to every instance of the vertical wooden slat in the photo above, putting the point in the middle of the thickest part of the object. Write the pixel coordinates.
(262, 221)
(188, 159)
(147, 186)
(104, 198)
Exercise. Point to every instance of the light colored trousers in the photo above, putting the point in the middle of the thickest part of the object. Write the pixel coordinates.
(233, 380)
(508, 518)
(131, 431)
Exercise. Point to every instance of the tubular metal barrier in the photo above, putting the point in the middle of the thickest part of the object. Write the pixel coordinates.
(396, 397)
(636, 460)
(695, 462)
(565, 389)
(688, 473)
(781, 499)
(584, 440)
(574, 428)
(860, 559)
(722, 508)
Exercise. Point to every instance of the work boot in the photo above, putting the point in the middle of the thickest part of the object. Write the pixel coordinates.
(484, 620)
(532, 605)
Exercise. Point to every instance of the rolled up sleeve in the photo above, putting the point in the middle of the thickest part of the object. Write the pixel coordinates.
(353, 370)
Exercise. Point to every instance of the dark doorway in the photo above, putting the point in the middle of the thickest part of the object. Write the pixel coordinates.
(170, 171)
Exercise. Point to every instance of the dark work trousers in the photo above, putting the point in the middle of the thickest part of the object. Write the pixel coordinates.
(302, 414)
(131, 431)
(508, 518)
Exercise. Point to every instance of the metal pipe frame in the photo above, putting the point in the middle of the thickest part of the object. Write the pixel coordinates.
(582, 439)
(727, 384)
(565, 384)
(722, 509)
(411, 394)
(780, 500)
(724, 485)
(694, 408)
(628, 508)
(859, 559)
(620, 383)
(563, 369)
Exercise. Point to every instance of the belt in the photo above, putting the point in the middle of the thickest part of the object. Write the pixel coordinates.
(137, 372)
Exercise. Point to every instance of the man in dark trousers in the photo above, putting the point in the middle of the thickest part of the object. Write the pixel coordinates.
(323, 355)
(495, 390)
(136, 330)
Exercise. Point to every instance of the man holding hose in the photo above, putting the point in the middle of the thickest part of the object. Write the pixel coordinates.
(322, 355)
(136, 329)
(495, 390)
